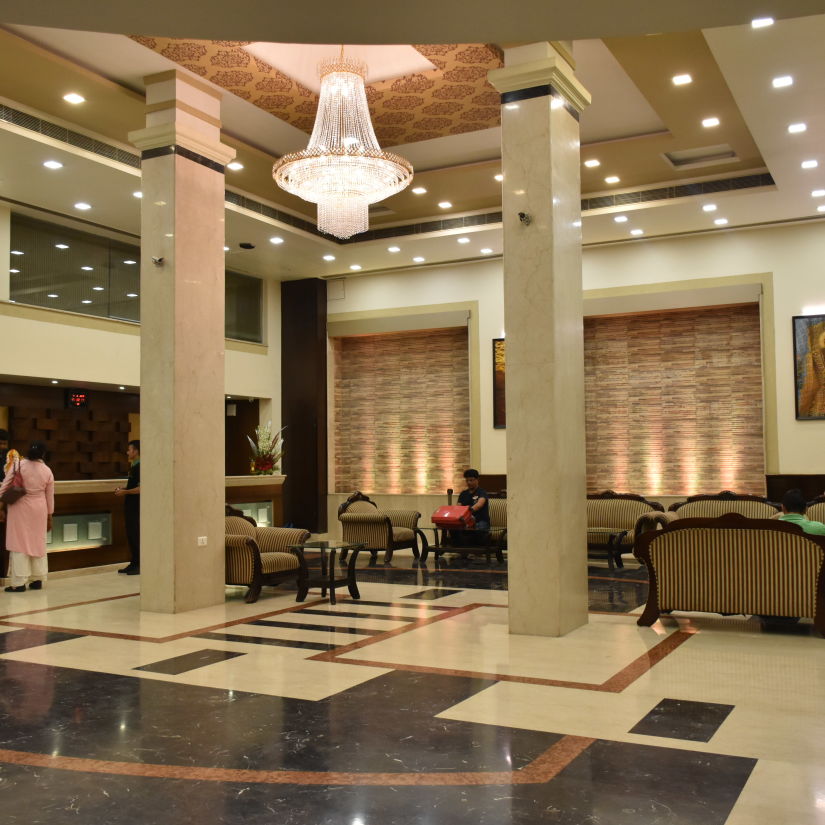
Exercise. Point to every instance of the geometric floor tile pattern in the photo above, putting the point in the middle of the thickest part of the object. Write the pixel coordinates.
(413, 704)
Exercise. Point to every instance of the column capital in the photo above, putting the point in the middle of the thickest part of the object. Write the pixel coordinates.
(539, 65)
(177, 134)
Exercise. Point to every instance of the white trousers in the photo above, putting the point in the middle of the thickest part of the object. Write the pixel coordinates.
(23, 567)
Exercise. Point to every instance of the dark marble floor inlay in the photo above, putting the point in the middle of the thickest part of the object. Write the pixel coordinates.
(389, 617)
(404, 605)
(683, 719)
(265, 640)
(328, 627)
(432, 593)
(189, 661)
(31, 637)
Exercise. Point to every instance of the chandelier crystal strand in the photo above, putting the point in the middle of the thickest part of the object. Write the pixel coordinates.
(343, 169)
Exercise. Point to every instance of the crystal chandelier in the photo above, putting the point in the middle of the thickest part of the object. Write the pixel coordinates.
(343, 169)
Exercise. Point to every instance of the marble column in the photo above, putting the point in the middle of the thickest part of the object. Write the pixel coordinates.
(182, 345)
(547, 563)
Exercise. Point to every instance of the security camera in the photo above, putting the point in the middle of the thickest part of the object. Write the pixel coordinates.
(157, 261)
(524, 218)
(246, 245)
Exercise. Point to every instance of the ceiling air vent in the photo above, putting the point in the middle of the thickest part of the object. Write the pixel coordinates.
(378, 211)
(703, 156)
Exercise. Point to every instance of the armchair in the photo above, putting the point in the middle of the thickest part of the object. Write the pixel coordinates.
(257, 556)
(387, 530)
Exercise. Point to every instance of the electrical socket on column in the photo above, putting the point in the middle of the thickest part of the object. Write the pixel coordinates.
(201, 541)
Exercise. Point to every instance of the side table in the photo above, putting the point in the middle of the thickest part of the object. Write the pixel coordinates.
(327, 580)
(613, 546)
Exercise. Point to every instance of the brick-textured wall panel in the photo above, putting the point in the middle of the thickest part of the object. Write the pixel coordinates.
(674, 402)
(402, 411)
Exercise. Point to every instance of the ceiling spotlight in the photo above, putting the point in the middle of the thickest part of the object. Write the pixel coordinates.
(577, 222)
(226, 249)
(486, 251)
(761, 22)
(418, 190)
(710, 122)
(53, 164)
(87, 268)
(418, 259)
(818, 193)
(17, 252)
(85, 301)
(721, 221)
(55, 381)
(276, 240)
(61, 246)
(14, 271)
(137, 194)
(131, 294)
(709, 207)
(52, 295)
(74, 97)
(620, 219)
(796, 128)
(355, 267)
(511, 106)
(329, 257)
(463, 240)
(393, 249)
(592, 163)
(98, 288)
(129, 262)
(445, 205)
(234, 165)
(782, 82)
(121, 388)
(82, 206)
(681, 79)
(809, 164)
(637, 232)
(612, 179)
(821, 208)
(499, 177)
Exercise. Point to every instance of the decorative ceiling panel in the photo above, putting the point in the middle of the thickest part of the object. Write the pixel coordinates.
(451, 99)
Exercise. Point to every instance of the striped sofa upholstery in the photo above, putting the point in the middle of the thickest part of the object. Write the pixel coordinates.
(714, 506)
(734, 564)
(498, 521)
(816, 511)
(618, 512)
(388, 530)
(257, 556)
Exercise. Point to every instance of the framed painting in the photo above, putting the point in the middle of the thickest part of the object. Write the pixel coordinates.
(809, 366)
(499, 371)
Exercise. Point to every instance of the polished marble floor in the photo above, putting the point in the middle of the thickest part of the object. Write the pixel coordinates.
(412, 705)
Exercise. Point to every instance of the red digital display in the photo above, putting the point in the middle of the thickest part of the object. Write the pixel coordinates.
(76, 398)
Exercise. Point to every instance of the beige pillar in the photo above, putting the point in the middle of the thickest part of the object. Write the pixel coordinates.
(547, 562)
(182, 345)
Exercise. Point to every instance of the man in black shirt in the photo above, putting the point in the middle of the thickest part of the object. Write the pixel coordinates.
(131, 508)
(475, 498)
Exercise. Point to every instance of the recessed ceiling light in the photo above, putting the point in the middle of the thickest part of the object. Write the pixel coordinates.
(52, 295)
(393, 249)
(721, 221)
(620, 219)
(169, 235)
(121, 388)
(592, 163)
(486, 251)
(445, 205)
(129, 262)
(418, 190)
(577, 223)
(14, 271)
(329, 257)
(131, 294)
(710, 122)
(53, 164)
(160, 203)
(17, 252)
(818, 193)
(82, 206)
(821, 208)
(55, 381)
(137, 194)
(611, 179)
(781, 82)
(761, 22)
(355, 267)
(511, 106)
(226, 249)
(87, 268)
(681, 79)
(499, 177)
(810, 164)
(276, 240)
(85, 301)
(234, 165)
(74, 97)
(98, 288)
(637, 232)
(795, 128)
(61, 246)
(463, 240)
(418, 259)
(709, 207)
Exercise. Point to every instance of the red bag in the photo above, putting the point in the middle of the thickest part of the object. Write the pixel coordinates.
(16, 491)
(453, 517)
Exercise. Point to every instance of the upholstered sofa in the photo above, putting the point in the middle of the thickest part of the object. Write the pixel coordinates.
(258, 556)
(613, 521)
(388, 530)
(733, 564)
(717, 504)
(816, 510)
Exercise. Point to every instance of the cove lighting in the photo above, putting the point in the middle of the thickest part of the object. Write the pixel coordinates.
(681, 79)
(53, 164)
(782, 82)
(761, 22)
(74, 97)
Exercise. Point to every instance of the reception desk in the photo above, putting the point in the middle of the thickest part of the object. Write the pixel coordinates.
(89, 530)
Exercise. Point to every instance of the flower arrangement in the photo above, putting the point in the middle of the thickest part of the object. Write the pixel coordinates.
(267, 450)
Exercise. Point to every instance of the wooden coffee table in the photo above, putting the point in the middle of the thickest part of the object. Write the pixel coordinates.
(328, 580)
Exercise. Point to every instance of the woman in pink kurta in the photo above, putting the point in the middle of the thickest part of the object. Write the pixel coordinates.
(28, 520)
